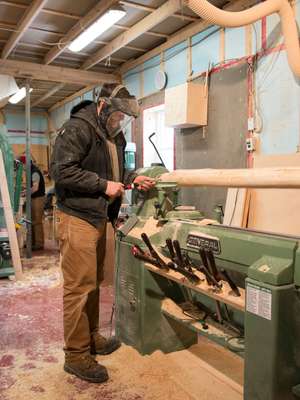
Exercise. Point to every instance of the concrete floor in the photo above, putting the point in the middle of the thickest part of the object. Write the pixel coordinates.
(31, 357)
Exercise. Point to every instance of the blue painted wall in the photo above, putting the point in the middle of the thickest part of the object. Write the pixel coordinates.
(16, 126)
(131, 81)
(205, 49)
(60, 115)
(176, 64)
(278, 95)
(151, 67)
(277, 90)
(256, 37)
(274, 36)
(235, 40)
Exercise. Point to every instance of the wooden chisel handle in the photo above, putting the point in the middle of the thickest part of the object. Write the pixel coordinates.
(232, 285)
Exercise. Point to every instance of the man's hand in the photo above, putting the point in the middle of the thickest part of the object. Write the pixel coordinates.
(144, 182)
(114, 189)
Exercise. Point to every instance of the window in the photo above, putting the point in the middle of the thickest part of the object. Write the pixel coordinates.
(154, 121)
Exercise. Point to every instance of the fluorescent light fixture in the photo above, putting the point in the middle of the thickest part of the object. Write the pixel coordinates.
(19, 95)
(96, 29)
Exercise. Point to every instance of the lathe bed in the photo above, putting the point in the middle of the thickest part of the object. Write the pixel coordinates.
(266, 316)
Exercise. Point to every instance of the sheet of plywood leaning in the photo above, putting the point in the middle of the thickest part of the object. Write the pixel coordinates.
(275, 210)
(237, 207)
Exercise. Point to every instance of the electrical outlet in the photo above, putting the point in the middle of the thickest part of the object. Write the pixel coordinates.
(250, 144)
(250, 124)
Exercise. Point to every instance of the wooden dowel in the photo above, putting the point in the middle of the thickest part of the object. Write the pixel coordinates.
(276, 177)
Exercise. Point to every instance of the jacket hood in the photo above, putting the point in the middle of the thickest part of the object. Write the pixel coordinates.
(87, 111)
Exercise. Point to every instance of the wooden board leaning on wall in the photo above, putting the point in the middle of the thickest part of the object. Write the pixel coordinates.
(275, 210)
(38, 151)
(237, 207)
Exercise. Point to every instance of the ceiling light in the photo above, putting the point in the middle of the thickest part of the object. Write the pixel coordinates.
(96, 29)
(19, 95)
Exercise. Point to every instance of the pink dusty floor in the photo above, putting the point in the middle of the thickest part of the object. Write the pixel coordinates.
(31, 317)
(31, 356)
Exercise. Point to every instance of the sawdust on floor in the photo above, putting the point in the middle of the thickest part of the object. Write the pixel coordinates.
(31, 356)
(41, 271)
(175, 376)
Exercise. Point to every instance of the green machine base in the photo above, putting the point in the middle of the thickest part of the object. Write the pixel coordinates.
(264, 322)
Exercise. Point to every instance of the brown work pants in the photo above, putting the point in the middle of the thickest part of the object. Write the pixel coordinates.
(82, 248)
(37, 214)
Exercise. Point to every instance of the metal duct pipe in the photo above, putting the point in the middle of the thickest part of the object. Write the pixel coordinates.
(235, 19)
(284, 178)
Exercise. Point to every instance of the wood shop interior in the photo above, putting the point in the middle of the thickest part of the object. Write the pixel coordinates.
(149, 194)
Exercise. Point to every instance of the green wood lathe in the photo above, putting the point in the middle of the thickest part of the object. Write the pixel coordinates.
(178, 275)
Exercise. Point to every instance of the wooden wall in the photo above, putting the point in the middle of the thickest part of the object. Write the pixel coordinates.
(39, 153)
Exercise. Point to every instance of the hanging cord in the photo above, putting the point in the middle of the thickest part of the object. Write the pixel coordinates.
(108, 61)
(111, 318)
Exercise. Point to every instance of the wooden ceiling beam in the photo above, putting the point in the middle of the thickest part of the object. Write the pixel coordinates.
(44, 10)
(38, 29)
(12, 27)
(13, 4)
(23, 69)
(34, 45)
(183, 34)
(72, 97)
(48, 94)
(126, 28)
(60, 14)
(84, 22)
(30, 13)
(77, 17)
(134, 48)
(151, 9)
(159, 15)
(6, 25)
(157, 34)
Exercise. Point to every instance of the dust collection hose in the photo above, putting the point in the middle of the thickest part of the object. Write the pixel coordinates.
(216, 16)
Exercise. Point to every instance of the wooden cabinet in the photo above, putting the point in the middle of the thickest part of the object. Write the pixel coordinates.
(186, 105)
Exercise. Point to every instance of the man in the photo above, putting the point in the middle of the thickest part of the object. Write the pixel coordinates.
(37, 205)
(88, 169)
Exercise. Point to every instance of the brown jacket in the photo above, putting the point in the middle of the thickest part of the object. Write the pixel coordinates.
(81, 167)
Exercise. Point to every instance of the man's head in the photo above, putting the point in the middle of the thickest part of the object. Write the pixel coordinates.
(116, 108)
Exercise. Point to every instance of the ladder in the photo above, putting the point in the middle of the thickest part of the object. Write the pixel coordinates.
(9, 220)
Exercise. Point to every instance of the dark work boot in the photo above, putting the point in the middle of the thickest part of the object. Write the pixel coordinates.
(85, 367)
(101, 345)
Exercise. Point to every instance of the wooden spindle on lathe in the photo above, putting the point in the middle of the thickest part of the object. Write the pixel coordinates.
(276, 177)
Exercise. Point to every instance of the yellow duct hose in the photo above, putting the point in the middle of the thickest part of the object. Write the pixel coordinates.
(216, 16)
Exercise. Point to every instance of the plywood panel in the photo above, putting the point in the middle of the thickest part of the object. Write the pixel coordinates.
(275, 210)
(38, 153)
(186, 105)
(236, 207)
